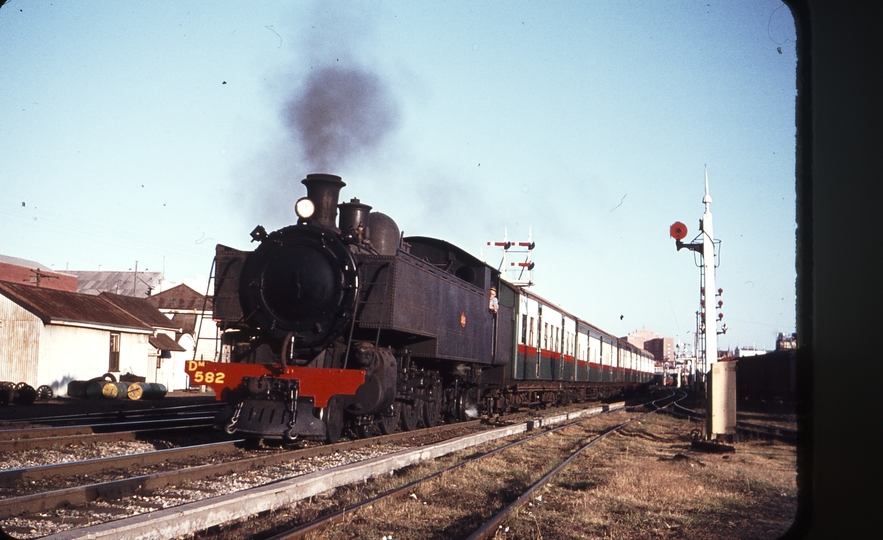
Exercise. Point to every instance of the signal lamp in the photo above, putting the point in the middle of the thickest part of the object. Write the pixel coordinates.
(677, 230)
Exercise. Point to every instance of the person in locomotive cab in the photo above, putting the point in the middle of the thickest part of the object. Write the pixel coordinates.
(494, 304)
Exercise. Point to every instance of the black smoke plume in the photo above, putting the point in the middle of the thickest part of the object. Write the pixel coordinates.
(340, 114)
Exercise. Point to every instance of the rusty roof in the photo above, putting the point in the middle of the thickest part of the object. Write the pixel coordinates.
(164, 343)
(53, 306)
(142, 309)
(181, 297)
(187, 322)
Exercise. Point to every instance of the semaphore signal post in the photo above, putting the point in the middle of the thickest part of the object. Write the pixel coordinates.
(514, 273)
(721, 380)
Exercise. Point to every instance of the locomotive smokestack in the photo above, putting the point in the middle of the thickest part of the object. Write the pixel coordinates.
(323, 190)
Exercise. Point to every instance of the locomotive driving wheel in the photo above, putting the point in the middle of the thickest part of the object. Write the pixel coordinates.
(387, 424)
(432, 405)
(333, 416)
(410, 414)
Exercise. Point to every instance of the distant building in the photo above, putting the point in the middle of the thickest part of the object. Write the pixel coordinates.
(192, 312)
(743, 352)
(22, 271)
(786, 341)
(662, 348)
(137, 284)
(51, 337)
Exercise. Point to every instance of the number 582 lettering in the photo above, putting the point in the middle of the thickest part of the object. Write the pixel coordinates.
(208, 377)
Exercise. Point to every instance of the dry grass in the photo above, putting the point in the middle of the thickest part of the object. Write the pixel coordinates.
(641, 483)
(458, 502)
(635, 485)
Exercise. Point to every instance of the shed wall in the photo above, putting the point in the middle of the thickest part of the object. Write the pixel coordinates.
(170, 371)
(70, 353)
(19, 343)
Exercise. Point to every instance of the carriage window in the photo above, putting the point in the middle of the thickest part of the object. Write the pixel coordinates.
(524, 329)
(532, 326)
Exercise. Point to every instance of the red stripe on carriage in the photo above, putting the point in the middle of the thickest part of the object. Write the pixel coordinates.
(526, 349)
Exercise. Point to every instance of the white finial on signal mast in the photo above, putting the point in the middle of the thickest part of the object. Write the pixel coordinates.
(708, 274)
(707, 198)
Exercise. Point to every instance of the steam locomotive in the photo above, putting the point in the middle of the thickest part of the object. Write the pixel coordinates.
(347, 325)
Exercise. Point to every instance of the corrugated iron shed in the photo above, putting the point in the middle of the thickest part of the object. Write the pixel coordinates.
(165, 343)
(142, 309)
(125, 283)
(53, 306)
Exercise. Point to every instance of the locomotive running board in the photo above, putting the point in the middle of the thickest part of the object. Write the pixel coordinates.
(318, 383)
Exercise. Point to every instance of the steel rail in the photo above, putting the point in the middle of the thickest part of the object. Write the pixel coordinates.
(766, 430)
(115, 414)
(13, 477)
(781, 433)
(490, 527)
(302, 531)
(61, 431)
(114, 489)
(200, 515)
(113, 436)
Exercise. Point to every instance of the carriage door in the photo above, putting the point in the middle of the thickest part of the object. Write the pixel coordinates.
(540, 341)
(505, 327)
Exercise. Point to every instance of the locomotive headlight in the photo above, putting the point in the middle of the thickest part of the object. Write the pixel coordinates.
(304, 208)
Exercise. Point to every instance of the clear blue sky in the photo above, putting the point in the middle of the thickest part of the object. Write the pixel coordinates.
(152, 131)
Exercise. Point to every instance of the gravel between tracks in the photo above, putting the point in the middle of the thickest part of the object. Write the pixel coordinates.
(644, 482)
(40, 456)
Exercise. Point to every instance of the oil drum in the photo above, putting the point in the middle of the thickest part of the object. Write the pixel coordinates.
(141, 390)
(115, 390)
(77, 388)
(106, 389)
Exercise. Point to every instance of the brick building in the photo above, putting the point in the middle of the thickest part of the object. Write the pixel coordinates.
(15, 270)
(662, 348)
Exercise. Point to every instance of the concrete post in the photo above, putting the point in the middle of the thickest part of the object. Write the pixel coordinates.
(721, 415)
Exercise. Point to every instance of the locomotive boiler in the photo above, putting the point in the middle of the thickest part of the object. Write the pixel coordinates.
(345, 324)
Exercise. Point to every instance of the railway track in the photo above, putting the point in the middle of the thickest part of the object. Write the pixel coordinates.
(489, 528)
(31, 440)
(745, 428)
(179, 465)
(103, 420)
(55, 431)
(134, 491)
